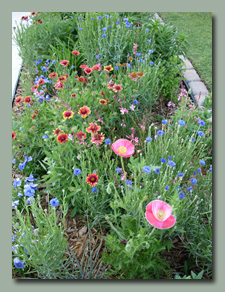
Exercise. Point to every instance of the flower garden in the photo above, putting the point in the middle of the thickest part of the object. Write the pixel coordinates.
(112, 160)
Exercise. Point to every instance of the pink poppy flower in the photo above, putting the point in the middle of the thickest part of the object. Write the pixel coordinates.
(123, 147)
(158, 214)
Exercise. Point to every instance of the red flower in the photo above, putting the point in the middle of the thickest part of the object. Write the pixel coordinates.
(158, 214)
(76, 53)
(81, 79)
(93, 128)
(56, 132)
(80, 136)
(62, 138)
(59, 85)
(141, 74)
(92, 179)
(41, 81)
(62, 78)
(110, 85)
(52, 75)
(14, 135)
(33, 88)
(68, 114)
(65, 63)
(117, 88)
(108, 68)
(103, 101)
(18, 100)
(97, 139)
(27, 99)
(73, 95)
(123, 147)
(33, 116)
(88, 70)
(39, 21)
(97, 67)
(83, 66)
(84, 111)
(33, 13)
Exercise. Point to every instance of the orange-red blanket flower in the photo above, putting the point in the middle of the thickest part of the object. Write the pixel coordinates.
(56, 132)
(103, 101)
(93, 128)
(59, 85)
(33, 116)
(18, 100)
(81, 79)
(39, 21)
(33, 13)
(76, 53)
(88, 70)
(110, 85)
(92, 179)
(117, 88)
(41, 81)
(27, 99)
(33, 88)
(73, 95)
(84, 111)
(53, 74)
(141, 74)
(62, 78)
(83, 66)
(65, 63)
(80, 136)
(68, 114)
(97, 67)
(133, 76)
(108, 68)
(14, 135)
(97, 139)
(62, 138)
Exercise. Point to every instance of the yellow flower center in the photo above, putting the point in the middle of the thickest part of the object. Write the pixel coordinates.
(122, 150)
(160, 214)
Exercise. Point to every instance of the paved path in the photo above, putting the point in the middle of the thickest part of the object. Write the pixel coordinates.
(16, 60)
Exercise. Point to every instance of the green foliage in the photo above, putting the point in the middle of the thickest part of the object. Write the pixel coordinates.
(192, 276)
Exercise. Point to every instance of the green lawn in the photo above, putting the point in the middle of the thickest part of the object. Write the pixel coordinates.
(197, 26)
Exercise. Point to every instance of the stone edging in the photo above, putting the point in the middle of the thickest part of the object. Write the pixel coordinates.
(198, 88)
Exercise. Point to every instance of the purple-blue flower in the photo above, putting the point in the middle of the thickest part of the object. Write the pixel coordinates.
(107, 141)
(181, 195)
(149, 41)
(94, 190)
(129, 182)
(180, 174)
(77, 171)
(181, 122)
(164, 122)
(202, 162)
(194, 181)
(18, 264)
(171, 163)
(157, 171)
(151, 63)
(45, 137)
(200, 133)
(135, 101)
(146, 169)
(118, 170)
(148, 139)
(104, 29)
(150, 51)
(163, 160)
(201, 123)
(166, 188)
(17, 182)
(160, 133)
(190, 189)
(54, 202)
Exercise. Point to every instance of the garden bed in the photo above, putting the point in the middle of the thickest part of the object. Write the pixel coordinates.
(97, 145)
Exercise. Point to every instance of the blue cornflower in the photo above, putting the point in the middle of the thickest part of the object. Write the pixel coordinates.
(106, 15)
(79, 17)
(201, 122)
(44, 69)
(28, 191)
(125, 19)
(180, 174)
(54, 202)
(129, 182)
(20, 195)
(17, 182)
(81, 28)
(117, 22)
(27, 158)
(107, 141)
(53, 62)
(160, 133)
(200, 133)
(150, 51)
(94, 190)
(77, 171)
(157, 171)
(25, 250)
(110, 26)
(45, 137)
(148, 139)
(146, 169)
(181, 122)
(192, 139)
(104, 35)
(118, 170)
(92, 18)
(47, 97)
(14, 160)
(181, 195)
(128, 25)
(190, 189)
(97, 57)
(21, 166)
(135, 101)
(32, 185)
(199, 169)
(104, 29)
(210, 168)
(147, 30)
(128, 65)
(195, 173)
(30, 178)
(170, 157)
(171, 163)
(44, 86)
(28, 105)
(151, 63)
(116, 68)
(194, 181)
(179, 188)
(13, 239)
(138, 54)
(163, 160)
(202, 162)
(149, 41)
(99, 17)
(141, 61)
(18, 264)
(15, 203)
(166, 188)
(72, 67)
(164, 122)
(29, 200)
